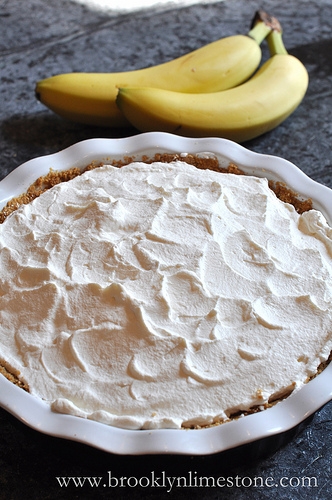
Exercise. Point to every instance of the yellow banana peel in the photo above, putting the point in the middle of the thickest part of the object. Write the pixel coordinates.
(90, 98)
(240, 114)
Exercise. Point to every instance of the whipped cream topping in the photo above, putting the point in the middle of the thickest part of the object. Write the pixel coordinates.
(161, 296)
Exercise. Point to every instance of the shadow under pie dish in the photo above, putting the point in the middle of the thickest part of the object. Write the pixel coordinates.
(236, 424)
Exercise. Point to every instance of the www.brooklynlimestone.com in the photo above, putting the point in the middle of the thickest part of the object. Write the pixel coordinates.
(190, 480)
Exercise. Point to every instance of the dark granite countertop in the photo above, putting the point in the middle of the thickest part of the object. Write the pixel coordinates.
(38, 39)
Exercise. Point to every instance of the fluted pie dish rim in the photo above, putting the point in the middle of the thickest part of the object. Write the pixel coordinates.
(278, 419)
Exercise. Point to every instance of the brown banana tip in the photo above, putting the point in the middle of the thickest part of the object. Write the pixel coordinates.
(262, 16)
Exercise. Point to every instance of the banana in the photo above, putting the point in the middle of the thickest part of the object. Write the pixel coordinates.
(90, 98)
(240, 114)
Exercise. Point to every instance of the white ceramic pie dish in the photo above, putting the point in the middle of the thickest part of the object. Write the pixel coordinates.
(274, 421)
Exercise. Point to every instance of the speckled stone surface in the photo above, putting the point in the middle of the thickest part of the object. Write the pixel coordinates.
(38, 39)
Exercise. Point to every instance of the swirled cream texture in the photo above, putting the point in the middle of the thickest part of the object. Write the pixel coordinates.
(161, 296)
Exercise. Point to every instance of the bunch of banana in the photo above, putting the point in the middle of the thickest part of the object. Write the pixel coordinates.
(240, 114)
(91, 97)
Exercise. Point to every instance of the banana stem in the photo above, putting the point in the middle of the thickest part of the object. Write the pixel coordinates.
(262, 25)
(276, 43)
(259, 32)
